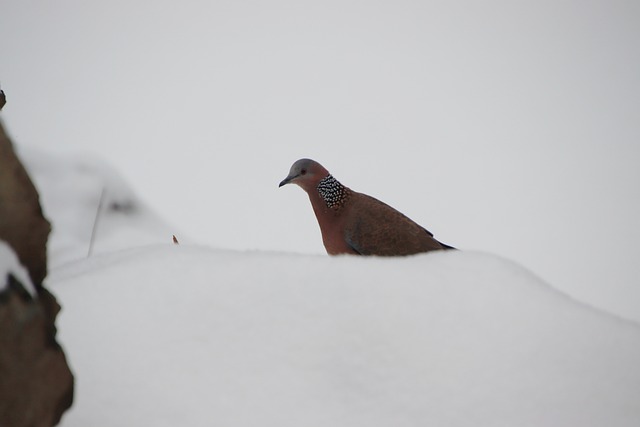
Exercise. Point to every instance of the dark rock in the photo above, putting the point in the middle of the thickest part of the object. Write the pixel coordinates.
(36, 384)
(22, 223)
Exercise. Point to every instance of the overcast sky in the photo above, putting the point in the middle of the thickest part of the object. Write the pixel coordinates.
(506, 127)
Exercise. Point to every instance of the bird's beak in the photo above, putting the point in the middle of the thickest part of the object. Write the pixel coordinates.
(287, 180)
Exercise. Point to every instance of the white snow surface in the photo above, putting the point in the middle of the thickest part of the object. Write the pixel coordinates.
(164, 335)
(173, 335)
(71, 188)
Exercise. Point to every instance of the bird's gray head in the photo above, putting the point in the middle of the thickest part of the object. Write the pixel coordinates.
(306, 173)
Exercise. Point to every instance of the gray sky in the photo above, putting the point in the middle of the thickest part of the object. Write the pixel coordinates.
(506, 127)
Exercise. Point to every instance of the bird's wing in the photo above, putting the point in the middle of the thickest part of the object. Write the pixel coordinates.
(375, 228)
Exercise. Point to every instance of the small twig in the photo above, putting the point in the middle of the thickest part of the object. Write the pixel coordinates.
(95, 223)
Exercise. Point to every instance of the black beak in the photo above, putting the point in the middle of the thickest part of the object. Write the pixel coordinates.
(287, 180)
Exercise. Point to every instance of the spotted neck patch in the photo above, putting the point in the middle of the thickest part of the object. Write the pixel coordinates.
(332, 192)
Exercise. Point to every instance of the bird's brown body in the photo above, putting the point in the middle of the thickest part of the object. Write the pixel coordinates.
(355, 223)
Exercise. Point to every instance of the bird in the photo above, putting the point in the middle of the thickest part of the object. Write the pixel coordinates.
(355, 223)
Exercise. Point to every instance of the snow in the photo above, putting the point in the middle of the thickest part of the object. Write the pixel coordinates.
(9, 264)
(182, 335)
(163, 334)
(70, 191)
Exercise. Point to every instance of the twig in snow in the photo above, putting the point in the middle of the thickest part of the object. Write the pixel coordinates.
(95, 223)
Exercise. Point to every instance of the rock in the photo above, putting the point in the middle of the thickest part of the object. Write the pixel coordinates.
(22, 223)
(36, 384)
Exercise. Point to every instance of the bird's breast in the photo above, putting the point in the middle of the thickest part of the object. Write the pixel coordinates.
(332, 225)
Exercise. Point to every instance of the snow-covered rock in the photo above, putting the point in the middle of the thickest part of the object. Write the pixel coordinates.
(10, 266)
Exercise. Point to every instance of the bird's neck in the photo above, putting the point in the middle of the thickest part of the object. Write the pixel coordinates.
(332, 193)
(330, 202)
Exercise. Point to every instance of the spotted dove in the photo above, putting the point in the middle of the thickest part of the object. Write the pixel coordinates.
(354, 223)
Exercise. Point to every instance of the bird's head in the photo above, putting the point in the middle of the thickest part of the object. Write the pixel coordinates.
(306, 173)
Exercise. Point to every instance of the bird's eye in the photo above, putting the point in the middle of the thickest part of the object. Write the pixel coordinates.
(303, 172)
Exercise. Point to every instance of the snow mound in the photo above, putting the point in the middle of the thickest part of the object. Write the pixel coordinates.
(177, 335)
(72, 190)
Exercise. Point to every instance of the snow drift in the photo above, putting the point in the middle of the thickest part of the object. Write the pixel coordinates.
(173, 335)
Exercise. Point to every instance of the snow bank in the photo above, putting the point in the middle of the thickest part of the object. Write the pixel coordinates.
(174, 335)
(72, 191)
